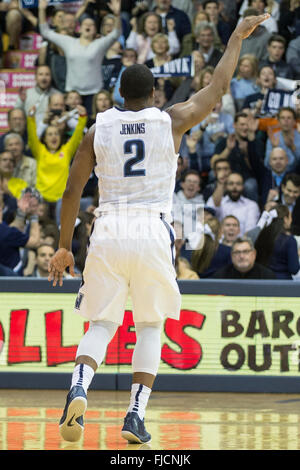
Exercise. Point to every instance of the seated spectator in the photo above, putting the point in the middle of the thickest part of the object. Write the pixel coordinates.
(232, 202)
(188, 200)
(276, 248)
(8, 183)
(84, 63)
(140, 37)
(276, 52)
(230, 230)
(38, 96)
(24, 166)
(244, 83)
(18, 235)
(221, 170)
(44, 253)
(224, 28)
(166, 11)
(205, 39)
(256, 43)
(101, 102)
(160, 48)
(53, 157)
(218, 124)
(293, 56)
(244, 265)
(290, 191)
(17, 124)
(266, 80)
(237, 148)
(287, 138)
(270, 179)
(212, 255)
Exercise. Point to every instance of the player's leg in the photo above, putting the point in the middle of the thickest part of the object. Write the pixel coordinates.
(90, 354)
(145, 364)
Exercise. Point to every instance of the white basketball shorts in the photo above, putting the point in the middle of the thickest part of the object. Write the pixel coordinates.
(130, 256)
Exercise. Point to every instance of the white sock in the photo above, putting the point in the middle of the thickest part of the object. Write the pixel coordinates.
(82, 376)
(138, 399)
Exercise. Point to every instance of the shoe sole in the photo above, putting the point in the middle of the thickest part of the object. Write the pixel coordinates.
(130, 437)
(73, 432)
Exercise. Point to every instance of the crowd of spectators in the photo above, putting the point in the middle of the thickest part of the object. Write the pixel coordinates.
(238, 175)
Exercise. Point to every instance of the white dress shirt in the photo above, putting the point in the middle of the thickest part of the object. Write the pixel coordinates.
(244, 209)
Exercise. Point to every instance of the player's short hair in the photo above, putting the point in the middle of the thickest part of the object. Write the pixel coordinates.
(137, 82)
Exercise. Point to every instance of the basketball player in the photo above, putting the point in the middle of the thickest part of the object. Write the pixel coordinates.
(134, 153)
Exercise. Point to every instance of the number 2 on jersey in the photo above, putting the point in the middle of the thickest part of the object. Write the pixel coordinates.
(136, 147)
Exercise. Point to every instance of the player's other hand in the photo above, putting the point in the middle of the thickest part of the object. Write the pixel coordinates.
(59, 262)
(248, 25)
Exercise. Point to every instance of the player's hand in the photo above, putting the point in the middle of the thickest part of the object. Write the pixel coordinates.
(59, 262)
(248, 25)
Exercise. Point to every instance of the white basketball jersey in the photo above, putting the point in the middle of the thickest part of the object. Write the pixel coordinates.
(135, 160)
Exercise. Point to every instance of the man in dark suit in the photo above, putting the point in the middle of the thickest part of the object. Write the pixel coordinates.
(244, 266)
(205, 38)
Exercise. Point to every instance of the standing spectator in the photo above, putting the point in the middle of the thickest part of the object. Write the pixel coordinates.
(38, 96)
(230, 230)
(276, 52)
(166, 11)
(256, 43)
(17, 124)
(244, 83)
(53, 157)
(205, 38)
(18, 235)
(224, 29)
(25, 167)
(287, 138)
(141, 36)
(84, 55)
(230, 201)
(237, 148)
(293, 56)
(244, 265)
(276, 248)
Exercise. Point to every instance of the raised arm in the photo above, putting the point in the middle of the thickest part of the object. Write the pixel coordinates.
(80, 171)
(191, 112)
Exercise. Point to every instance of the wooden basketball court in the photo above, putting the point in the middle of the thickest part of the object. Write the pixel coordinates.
(177, 421)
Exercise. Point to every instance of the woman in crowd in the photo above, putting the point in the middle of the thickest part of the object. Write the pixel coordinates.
(141, 36)
(276, 247)
(101, 102)
(53, 157)
(84, 55)
(244, 83)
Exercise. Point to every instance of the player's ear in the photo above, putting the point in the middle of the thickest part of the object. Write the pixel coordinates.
(152, 92)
